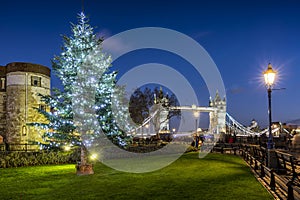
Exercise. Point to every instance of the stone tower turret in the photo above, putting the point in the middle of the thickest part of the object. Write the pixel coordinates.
(20, 85)
(218, 118)
(3, 98)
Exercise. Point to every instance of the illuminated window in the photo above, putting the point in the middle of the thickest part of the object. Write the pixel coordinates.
(36, 81)
(24, 130)
(2, 83)
(42, 107)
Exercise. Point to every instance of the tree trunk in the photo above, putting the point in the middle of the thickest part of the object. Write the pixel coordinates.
(83, 168)
(83, 156)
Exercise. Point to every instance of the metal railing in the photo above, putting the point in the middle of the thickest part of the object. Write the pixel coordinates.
(282, 183)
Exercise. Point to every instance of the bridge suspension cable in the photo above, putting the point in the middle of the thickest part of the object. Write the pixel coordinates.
(242, 130)
(145, 122)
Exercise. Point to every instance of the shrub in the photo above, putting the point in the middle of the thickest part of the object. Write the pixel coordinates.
(22, 159)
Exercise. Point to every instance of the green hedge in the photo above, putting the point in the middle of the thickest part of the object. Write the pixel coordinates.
(22, 159)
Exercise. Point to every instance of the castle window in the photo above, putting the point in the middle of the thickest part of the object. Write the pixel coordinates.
(2, 83)
(36, 81)
(42, 107)
(24, 130)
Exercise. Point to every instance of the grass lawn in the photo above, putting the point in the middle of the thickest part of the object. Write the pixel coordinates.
(216, 176)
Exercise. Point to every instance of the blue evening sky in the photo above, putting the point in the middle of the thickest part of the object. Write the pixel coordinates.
(242, 37)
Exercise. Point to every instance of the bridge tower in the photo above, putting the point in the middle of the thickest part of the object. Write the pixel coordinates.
(161, 102)
(218, 118)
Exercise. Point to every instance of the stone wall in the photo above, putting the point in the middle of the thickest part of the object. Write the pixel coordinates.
(3, 114)
(3, 101)
(19, 98)
(22, 98)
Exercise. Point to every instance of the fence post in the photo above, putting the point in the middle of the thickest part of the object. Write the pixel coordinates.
(255, 164)
(272, 181)
(290, 190)
(262, 170)
(295, 174)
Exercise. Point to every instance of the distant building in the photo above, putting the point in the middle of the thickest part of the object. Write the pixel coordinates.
(20, 84)
(277, 128)
(293, 128)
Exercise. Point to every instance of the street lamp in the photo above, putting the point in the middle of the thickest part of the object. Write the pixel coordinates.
(269, 76)
(196, 115)
(147, 129)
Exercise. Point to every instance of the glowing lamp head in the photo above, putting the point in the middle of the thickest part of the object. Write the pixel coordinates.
(67, 148)
(269, 75)
(94, 156)
(196, 114)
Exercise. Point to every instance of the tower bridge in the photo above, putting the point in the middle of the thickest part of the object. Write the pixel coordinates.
(160, 121)
(219, 120)
(216, 110)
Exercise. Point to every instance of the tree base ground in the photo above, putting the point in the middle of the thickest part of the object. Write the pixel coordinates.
(86, 169)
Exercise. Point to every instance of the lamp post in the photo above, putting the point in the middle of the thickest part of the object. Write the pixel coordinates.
(196, 115)
(269, 76)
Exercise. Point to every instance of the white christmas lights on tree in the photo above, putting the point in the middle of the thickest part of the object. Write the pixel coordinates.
(89, 93)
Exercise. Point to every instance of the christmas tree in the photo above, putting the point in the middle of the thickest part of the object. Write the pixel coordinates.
(90, 102)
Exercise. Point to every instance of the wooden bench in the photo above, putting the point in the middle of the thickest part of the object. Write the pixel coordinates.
(231, 147)
(218, 147)
(226, 147)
